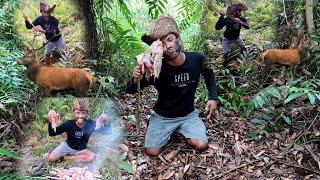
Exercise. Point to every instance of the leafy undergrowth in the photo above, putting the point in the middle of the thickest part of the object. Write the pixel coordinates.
(290, 153)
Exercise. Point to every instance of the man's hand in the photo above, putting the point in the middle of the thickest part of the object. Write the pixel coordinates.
(222, 13)
(54, 119)
(103, 118)
(238, 20)
(53, 116)
(212, 106)
(137, 75)
(25, 17)
(39, 29)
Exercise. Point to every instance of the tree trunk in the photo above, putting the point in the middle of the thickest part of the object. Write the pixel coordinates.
(86, 8)
(309, 16)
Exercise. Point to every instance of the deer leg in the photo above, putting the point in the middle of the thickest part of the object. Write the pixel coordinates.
(225, 59)
(48, 59)
(266, 68)
(242, 48)
(82, 92)
(46, 92)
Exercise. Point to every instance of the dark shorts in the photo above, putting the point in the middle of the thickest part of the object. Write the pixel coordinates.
(160, 129)
(226, 43)
(60, 44)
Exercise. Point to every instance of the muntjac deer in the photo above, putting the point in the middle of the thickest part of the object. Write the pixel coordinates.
(287, 57)
(50, 78)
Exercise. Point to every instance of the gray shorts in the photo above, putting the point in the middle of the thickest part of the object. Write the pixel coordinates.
(60, 44)
(160, 129)
(63, 149)
(226, 43)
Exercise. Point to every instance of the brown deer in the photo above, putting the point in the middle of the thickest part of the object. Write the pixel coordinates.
(287, 57)
(50, 78)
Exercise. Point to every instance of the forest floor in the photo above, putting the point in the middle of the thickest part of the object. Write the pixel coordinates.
(289, 154)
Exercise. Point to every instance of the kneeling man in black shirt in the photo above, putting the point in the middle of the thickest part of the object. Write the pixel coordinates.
(176, 86)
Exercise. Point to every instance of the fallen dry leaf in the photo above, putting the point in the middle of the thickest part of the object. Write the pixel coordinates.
(314, 156)
(237, 148)
(300, 157)
(186, 167)
(171, 155)
(168, 174)
(160, 177)
(214, 146)
(124, 147)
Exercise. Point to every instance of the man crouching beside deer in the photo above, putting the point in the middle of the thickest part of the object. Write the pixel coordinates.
(50, 78)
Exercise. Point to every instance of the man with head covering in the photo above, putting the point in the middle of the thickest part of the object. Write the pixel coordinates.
(176, 86)
(78, 132)
(48, 25)
(233, 22)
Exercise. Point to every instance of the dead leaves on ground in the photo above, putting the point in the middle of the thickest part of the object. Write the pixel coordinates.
(230, 155)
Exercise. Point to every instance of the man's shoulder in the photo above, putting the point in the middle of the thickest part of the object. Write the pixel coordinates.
(90, 121)
(196, 54)
(39, 18)
(54, 19)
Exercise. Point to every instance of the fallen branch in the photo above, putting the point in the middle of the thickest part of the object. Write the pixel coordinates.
(293, 165)
(288, 149)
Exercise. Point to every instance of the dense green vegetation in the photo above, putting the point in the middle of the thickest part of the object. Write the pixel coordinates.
(270, 104)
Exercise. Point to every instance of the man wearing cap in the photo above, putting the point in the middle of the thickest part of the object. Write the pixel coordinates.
(48, 25)
(78, 132)
(233, 22)
(176, 85)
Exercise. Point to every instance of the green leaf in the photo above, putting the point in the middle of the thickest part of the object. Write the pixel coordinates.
(312, 98)
(286, 119)
(292, 97)
(274, 92)
(258, 121)
(8, 153)
(126, 166)
(253, 136)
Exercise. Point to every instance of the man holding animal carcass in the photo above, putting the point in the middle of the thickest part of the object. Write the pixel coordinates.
(48, 25)
(78, 132)
(233, 22)
(176, 78)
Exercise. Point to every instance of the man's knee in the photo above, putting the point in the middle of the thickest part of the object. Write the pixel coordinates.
(92, 156)
(153, 151)
(198, 144)
(52, 157)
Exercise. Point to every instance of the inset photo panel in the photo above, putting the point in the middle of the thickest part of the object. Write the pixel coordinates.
(52, 34)
(73, 138)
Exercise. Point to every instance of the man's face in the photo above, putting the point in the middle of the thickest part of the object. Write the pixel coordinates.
(80, 116)
(45, 14)
(237, 13)
(171, 46)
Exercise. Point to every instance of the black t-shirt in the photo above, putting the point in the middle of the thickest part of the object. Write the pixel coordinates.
(177, 85)
(232, 31)
(51, 27)
(77, 138)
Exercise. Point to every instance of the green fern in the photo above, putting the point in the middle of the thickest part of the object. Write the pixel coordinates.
(156, 7)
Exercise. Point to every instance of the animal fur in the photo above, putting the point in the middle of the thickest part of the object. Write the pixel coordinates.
(50, 78)
(287, 57)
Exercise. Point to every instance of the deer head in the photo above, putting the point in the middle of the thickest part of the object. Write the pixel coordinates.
(29, 57)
